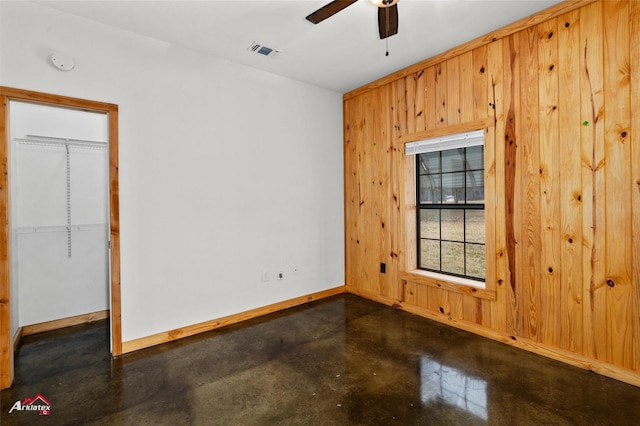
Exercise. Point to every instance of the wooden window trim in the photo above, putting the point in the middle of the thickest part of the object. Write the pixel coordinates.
(409, 267)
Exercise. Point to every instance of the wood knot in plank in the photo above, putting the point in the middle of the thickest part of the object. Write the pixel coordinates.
(610, 283)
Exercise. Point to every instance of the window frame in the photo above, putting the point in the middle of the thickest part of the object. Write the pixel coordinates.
(409, 271)
(458, 207)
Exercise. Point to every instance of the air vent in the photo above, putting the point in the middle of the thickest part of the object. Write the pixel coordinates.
(261, 49)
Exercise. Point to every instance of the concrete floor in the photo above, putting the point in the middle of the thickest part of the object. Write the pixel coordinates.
(339, 361)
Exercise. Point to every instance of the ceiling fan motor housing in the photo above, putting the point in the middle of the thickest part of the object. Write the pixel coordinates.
(384, 3)
(387, 14)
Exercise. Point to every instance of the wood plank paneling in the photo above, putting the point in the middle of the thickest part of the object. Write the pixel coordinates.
(472, 309)
(466, 87)
(592, 146)
(453, 91)
(411, 102)
(509, 156)
(570, 182)
(441, 91)
(494, 184)
(505, 31)
(617, 121)
(562, 196)
(368, 191)
(399, 107)
(419, 106)
(550, 181)
(634, 54)
(430, 98)
(456, 305)
(480, 84)
(529, 243)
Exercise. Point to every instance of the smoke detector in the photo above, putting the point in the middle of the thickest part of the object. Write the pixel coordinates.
(261, 49)
(62, 62)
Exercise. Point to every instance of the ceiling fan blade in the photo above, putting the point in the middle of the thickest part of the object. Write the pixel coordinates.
(329, 10)
(388, 21)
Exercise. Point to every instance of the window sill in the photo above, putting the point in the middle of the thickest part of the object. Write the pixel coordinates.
(449, 283)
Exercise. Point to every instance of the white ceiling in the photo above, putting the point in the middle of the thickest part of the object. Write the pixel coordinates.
(341, 53)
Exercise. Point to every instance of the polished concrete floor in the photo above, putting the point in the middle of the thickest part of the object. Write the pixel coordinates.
(339, 361)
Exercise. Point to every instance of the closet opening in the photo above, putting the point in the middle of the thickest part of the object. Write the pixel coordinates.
(59, 246)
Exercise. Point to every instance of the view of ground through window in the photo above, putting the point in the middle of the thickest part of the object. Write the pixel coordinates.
(462, 234)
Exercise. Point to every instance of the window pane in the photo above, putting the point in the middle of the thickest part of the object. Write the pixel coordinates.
(453, 225)
(429, 224)
(453, 188)
(452, 236)
(475, 187)
(429, 189)
(475, 157)
(474, 226)
(429, 163)
(430, 254)
(453, 160)
(453, 257)
(475, 260)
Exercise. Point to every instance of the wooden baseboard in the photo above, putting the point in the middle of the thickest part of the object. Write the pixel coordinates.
(624, 375)
(168, 336)
(16, 338)
(64, 322)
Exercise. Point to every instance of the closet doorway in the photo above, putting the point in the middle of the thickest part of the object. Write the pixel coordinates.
(59, 242)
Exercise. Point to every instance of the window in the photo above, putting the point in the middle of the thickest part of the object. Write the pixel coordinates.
(450, 204)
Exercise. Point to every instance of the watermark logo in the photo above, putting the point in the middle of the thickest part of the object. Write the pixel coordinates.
(38, 403)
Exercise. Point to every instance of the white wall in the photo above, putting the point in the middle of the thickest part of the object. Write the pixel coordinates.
(225, 171)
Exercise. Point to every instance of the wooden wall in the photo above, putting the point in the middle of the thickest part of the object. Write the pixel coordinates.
(559, 95)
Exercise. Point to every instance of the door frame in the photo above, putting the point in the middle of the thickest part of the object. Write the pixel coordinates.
(6, 340)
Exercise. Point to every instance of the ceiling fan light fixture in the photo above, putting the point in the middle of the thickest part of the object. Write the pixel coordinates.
(384, 3)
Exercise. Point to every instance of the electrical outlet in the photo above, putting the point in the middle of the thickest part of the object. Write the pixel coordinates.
(265, 276)
(280, 276)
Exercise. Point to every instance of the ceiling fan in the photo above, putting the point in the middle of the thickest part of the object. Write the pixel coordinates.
(387, 14)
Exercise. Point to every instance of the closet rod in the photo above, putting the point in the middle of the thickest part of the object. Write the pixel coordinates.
(40, 138)
(60, 228)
